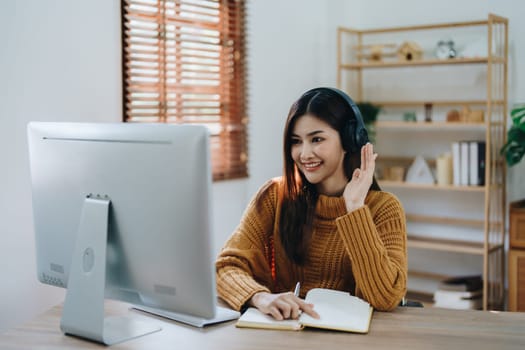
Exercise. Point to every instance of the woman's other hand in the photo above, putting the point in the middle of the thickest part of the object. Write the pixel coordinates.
(282, 306)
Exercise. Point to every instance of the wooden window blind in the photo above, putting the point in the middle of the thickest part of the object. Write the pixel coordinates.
(184, 62)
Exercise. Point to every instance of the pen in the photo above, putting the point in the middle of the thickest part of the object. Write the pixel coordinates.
(297, 289)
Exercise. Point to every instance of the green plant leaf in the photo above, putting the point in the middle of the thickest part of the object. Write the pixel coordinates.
(518, 116)
(514, 148)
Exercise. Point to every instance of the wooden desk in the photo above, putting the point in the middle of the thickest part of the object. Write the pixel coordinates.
(405, 328)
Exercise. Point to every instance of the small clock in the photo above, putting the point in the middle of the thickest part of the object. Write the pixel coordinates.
(445, 49)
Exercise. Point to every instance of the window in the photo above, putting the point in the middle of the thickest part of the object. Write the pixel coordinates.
(184, 62)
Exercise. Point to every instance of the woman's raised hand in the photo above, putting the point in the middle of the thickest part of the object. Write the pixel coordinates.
(358, 186)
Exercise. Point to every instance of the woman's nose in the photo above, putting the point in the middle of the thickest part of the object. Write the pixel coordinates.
(306, 151)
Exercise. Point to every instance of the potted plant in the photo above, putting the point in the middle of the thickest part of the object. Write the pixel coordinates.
(514, 149)
(369, 112)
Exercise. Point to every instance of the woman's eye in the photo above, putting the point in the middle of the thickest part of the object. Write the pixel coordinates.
(295, 141)
(317, 139)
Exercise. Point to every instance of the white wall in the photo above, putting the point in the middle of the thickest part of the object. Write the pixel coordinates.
(45, 74)
(290, 50)
(55, 64)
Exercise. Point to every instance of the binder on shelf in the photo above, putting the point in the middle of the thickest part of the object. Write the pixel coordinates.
(464, 166)
(456, 164)
(477, 163)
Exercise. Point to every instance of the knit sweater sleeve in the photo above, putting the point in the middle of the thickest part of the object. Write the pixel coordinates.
(242, 267)
(376, 244)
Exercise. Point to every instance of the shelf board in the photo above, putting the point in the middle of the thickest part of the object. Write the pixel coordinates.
(434, 103)
(403, 184)
(416, 27)
(425, 62)
(427, 275)
(430, 125)
(445, 220)
(449, 245)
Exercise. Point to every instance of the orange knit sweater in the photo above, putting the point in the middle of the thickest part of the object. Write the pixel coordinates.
(362, 252)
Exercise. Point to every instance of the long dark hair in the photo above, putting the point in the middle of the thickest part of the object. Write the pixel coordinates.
(299, 197)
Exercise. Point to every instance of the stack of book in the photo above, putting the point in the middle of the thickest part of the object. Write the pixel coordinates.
(468, 163)
(464, 293)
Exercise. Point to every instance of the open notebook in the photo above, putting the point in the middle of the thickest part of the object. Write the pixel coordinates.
(337, 310)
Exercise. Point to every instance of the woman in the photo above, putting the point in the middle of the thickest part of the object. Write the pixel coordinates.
(324, 223)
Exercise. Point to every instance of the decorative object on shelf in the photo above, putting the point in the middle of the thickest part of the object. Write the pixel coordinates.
(471, 116)
(395, 173)
(453, 116)
(428, 112)
(445, 49)
(444, 169)
(419, 172)
(409, 116)
(409, 51)
(466, 115)
(369, 112)
(375, 52)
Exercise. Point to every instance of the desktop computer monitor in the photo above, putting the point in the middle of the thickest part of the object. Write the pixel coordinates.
(122, 211)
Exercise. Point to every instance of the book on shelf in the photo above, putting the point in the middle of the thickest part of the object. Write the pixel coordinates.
(462, 283)
(474, 303)
(477, 163)
(465, 292)
(451, 295)
(337, 310)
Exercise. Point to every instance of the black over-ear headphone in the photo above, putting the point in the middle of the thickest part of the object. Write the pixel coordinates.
(355, 135)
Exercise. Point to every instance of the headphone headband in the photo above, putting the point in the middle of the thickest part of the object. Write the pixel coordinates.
(357, 134)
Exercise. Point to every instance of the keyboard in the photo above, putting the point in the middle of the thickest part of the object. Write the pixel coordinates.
(222, 314)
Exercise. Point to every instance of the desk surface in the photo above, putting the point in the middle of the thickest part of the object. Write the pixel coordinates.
(404, 328)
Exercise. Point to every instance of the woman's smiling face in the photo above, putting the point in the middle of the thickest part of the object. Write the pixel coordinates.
(318, 153)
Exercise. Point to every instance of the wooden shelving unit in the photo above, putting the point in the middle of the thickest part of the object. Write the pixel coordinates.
(351, 77)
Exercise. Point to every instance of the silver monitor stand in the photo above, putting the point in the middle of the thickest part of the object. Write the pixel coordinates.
(83, 313)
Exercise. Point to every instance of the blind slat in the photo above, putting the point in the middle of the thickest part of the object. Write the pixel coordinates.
(157, 50)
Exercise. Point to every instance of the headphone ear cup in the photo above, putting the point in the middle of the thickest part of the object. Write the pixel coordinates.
(350, 140)
(356, 135)
(361, 138)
